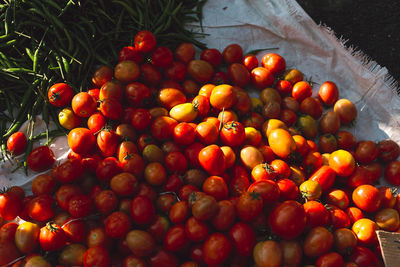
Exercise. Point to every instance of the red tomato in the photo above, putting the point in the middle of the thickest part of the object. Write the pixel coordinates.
(83, 104)
(339, 219)
(138, 94)
(108, 168)
(225, 217)
(10, 206)
(274, 62)
(325, 176)
(243, 238)
(69, 171)
(65, 193)
(366, 152)
(268, 253)
(162, 57)
(75, 230)
(288, 189)
(342, 162)
(96, 122)
(363, 257)
(301, 90)
(40, 208)
(317, 214)
(144, 41)
(80, 206)
(111, 108)
(216, 248)
(142, 210)
(232, 53)
(367, 198)
(238, 74)
(330, 259)
(232, 134)
(97, 256)
(162, 128)
(81, 140)
(392, 172)
(212, 56)
(52, 237)
(130, 53)
(317, 242)
(16, 143)
(102, 75)
(250, 62)
(389, 150)
(175, 238)
(212, 159)
(41, 159)
(288, 219)
(185, 52)
(269, 191)
(60, 94)
(216, 186)
(107, 142)
(117, 224)
(284, 87)
(328, 93)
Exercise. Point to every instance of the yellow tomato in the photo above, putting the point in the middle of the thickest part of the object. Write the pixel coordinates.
(253, 136)
(342, 162)
(27, 237)
(68, 119)
(185, 112)
(310, 190)
(272, 124)
(281, 143)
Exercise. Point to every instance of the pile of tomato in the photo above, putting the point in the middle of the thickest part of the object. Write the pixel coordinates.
(173, 163)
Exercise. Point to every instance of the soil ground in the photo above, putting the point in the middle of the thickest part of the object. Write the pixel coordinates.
(369, 25)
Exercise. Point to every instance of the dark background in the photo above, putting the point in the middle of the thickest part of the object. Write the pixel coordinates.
(370, 26)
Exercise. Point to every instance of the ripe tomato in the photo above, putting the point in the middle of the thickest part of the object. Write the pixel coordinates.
(41, 159)
(162, 57)
(212, 159)
(117, 224)
(106, 201)
(388, 149)
(345, 239)
(345, 140)
(204, 207)
(339, 219)
(366, 152)
(354, 214)
(81, 140)
(249, 205)
(176, 72)
(342, 162)
(392, 172)
(212, 56)
(69, 171)
(250, 62)
(111, 108)
(111, 89)
(346, 110)
(52, 237)
(310, 190)
(283, 216)
(329, 259)
(367, 198)
(363, 256)
(64, 194)
(301, 90)
(288, 189)
(328, 93)
(144, 41)
(130, 53)
(140, 242)
(102, 75)
(338, 198)
(97, 256)
(223, 97)
(238, 74)
(80, 206)
(16, 143)
(225, 217)
(268, 253)
(10, 205)
(317, 242)
(329, 122)
(138, 94)
(232, 134)
(216, 248)
(243, 238)
(215, 186)
(365, 231)
(274, 62)
(325, 176)
(142, 210)
(311, 106)
(281, 142)
(60, 94)
(250, 157)
(75, 230)
(184, 52)
(387, 219)
(40, 208)
(27, 237)
(83, 104)
(201, 71)
(107, 142)
(175, 238)
(162, 128)
(316, 213)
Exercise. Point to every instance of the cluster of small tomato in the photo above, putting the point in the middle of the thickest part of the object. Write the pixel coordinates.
(172, 163)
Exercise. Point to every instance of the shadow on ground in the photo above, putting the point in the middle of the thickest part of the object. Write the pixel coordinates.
(371, 26)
